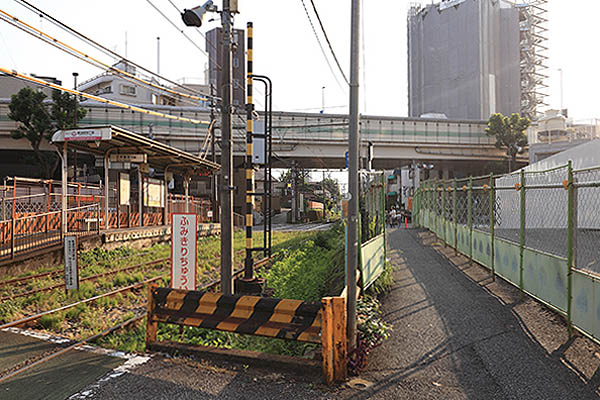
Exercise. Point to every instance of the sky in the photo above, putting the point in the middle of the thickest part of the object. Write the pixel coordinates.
(286, 48)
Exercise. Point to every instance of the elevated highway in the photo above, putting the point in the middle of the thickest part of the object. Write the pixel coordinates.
(313, 140)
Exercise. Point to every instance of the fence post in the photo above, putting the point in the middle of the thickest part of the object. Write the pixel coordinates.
(522, 238)
(470, 219)
(333, 339)
(492, 223)
(454, 218)
(444, 213)
(571, 243)
(12, 237)
(151, 325)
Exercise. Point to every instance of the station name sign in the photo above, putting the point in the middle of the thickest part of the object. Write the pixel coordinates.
(129, 158)
(87, 134)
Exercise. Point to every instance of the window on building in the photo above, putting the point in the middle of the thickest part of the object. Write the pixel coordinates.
(236, 62)
(154, 99)
(128, 90)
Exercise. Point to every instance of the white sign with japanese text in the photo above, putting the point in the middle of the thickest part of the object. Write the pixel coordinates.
(183, 251)
(71, 271)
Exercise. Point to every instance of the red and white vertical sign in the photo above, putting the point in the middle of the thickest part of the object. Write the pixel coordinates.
(183, 251)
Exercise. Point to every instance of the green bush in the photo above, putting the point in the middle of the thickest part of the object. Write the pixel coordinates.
(52, 321)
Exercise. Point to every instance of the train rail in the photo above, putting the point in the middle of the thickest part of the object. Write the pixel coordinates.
(60, 271)
(88, 278)
(135, 319)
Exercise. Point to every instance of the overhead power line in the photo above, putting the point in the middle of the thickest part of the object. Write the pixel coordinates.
(130, 107)
(328, 42)
(321, 46)
(85, 57)
(238, 85)
(100, 47)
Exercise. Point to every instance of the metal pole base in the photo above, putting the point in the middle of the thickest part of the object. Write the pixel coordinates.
(249, 286)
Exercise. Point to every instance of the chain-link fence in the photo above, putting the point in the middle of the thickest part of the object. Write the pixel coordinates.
(539, 230)
(587, 216)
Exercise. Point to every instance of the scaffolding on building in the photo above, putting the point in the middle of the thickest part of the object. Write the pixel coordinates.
(532, 19)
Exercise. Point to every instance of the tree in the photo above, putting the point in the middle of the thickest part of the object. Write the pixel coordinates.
(509, 133)
(38, 121)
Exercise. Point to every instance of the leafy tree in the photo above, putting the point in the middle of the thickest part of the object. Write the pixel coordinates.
(38, 121)
(332, 186)
(509, 133)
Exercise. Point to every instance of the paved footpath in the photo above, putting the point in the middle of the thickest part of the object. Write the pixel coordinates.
(458, 335)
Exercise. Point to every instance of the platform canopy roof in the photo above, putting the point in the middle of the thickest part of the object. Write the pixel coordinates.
(113, 140)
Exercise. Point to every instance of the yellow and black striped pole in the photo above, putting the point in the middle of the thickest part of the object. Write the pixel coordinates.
(249, 169)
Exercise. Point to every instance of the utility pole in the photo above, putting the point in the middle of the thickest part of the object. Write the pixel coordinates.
(226, 157)
(158, 54)
(353, 153)
(293, 192)
(75, 122)
(213, 179)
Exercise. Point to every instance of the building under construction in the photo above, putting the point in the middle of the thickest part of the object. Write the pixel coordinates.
(468, 59)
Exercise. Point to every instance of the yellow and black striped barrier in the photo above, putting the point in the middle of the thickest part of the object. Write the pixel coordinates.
(312, 322)
(249, 155)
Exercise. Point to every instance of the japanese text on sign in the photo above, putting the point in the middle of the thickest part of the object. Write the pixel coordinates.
(71, 272)
(183, 251)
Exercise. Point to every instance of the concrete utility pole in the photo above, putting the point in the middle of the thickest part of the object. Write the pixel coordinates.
(158, 54)
(353, 153)
(213, 179)
(294, 192)
(75, 122)
(226, 158)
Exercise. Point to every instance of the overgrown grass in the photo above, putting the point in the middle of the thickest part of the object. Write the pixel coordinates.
(384, 282)
(307, 264)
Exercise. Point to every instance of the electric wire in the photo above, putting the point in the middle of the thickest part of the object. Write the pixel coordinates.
(100, 47)
(16, 22)
(41, 82)
(88, 60)
(328, 42)
(321, 46)
(217, 65)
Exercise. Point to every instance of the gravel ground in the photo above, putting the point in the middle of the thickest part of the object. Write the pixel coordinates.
(457, 335)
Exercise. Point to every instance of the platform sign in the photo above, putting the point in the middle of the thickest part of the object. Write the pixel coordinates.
(124, 189)
(71, 268)
(87, 134)
(128, 158)
(183, 251)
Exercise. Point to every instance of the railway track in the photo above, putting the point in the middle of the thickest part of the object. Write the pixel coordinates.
(59, 272)
(29, 364)
(88, 278)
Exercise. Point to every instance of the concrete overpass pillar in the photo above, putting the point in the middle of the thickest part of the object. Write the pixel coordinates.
(445, 173)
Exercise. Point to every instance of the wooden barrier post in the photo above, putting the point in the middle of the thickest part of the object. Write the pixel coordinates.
(334, 339)
(151, 325)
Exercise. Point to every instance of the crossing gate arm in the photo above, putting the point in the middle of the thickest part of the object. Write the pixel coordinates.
(289, 319)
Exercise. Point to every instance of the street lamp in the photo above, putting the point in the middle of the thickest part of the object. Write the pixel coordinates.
(194, 16)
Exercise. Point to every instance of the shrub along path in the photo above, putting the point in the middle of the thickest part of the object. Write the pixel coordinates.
(459, 335)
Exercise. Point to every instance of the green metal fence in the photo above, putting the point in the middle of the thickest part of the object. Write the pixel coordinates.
(538, 230)
(372, 224)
